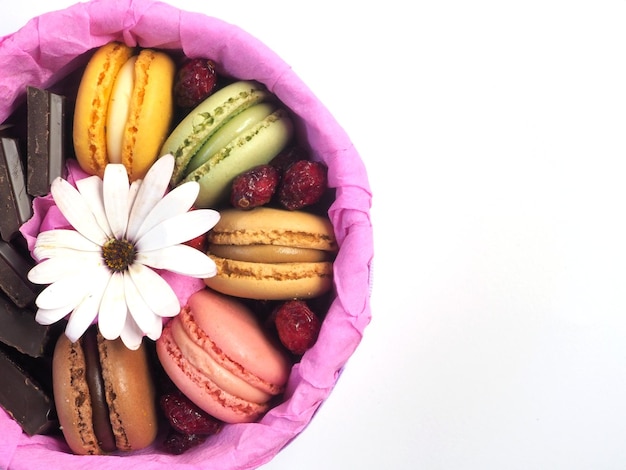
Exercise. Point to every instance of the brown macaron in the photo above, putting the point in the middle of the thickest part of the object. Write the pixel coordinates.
(104, 395)
(272, 254)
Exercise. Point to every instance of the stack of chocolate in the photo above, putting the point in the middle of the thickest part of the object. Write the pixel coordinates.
(25, 346)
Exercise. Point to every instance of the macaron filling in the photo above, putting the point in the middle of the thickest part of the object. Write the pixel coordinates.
(270, 253)
(119, 109)
(93, 375)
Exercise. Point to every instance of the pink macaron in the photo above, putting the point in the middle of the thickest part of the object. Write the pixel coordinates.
(217, 353)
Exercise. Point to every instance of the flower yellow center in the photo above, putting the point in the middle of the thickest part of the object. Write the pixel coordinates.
(118, 254)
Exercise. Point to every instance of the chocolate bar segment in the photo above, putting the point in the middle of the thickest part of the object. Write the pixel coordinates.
(45, 139)
(15, 203)
(19, 329)
(24, 399)
(14, 281)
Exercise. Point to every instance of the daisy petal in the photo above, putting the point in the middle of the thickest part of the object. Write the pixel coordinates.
(113, 309)
(56, 268)
(178, 229)
(86, 311)
(47, 252)
(69, 290)
(73, 206)
(79, 322)
(131, 335)
(141, 312)
(47, 316)
(91, 190)
(178, 201)
(51, 240)
(156, 332)
(115, 189)
(157, 180)
(155, 290)
(180, 259)
(132, 194)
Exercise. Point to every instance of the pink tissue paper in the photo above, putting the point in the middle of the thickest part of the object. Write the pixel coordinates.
(50, 47)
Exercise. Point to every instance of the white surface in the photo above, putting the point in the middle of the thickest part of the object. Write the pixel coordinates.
(494, 134)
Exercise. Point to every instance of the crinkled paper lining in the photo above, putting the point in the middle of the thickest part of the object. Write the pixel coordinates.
(44, 50)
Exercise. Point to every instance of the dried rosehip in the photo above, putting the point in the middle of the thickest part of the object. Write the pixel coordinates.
(185, 417)
(297, 326)
(195, 80)
(304, 183)
(288, 156)
(254, 187)
(177, 443)
(199, 243)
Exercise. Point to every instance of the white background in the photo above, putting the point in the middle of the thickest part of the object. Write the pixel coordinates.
(494, 133)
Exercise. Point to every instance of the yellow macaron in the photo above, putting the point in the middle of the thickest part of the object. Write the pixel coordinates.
(272, 254)
(124, 109)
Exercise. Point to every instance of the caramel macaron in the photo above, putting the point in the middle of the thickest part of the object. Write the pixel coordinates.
(272, 254)
(104, 395)
(124, 109)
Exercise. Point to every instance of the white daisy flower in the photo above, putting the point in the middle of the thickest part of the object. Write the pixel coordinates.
(105, 267)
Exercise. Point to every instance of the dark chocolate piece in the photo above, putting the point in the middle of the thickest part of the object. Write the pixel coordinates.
(5, 129)
(15, 203)
(19, 329)
(45, 139)
(24, 399)
(14, 282)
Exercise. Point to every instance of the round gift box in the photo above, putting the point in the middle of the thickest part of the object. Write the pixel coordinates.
(38, 55)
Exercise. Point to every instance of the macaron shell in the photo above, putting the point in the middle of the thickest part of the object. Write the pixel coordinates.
(92, 103)
(210, 367)
(229, 131)
(130, 394)
(257, 146)
(150, 112)
(271, 281)
(71, 397)
(200, 124)
(200, 389)
(237, 332)
(267, 225)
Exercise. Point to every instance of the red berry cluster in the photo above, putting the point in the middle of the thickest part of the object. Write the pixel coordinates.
(195, 81)
(190, 425)
(292, 179)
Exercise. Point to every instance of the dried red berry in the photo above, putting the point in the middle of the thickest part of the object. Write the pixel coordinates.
(195, 81)
(177, 443)
(304, 183)
(254, 187)
(297, 326)
(199, 243)
(185, 417)
(288, 156)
